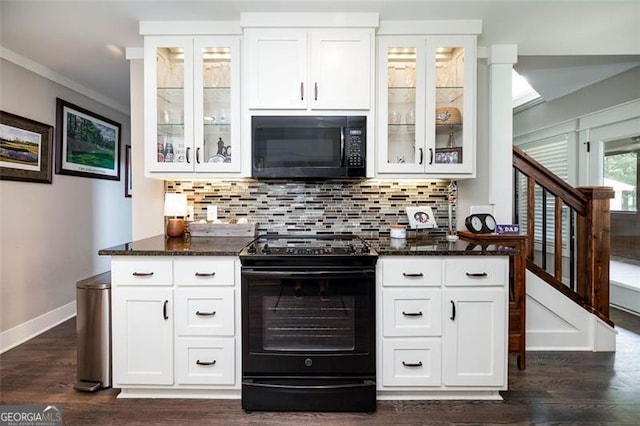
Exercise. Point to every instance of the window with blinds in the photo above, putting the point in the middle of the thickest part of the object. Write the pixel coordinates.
(552, 153)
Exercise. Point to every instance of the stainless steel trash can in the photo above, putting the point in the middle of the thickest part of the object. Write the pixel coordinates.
(93, 326)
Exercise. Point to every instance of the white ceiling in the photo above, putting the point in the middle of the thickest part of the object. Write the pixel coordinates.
(563, 45)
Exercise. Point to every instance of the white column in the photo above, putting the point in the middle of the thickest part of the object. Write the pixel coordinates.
(501, 59)
(147, 201)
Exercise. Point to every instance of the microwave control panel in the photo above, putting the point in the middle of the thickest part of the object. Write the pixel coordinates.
(355, 149)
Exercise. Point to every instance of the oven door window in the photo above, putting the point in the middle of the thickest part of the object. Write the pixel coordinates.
(309, 318)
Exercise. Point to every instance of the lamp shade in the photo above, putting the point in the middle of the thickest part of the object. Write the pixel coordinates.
(175, 204)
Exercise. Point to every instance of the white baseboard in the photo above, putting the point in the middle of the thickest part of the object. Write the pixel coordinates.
(21, 333)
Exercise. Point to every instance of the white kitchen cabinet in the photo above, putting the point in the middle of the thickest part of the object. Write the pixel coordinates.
(174, 326)
(142, 323)
(192, 105)
(475, 337)
(205, 361)
(426, 105)
(428, 351)
(321, 69)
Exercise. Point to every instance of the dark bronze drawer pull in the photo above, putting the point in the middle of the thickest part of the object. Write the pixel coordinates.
(206, 362)
(164, 310)
(409, 364)
(205, 314)
(418, 275)
(477, 275)
(142, 274)
(453, 310)
(205, 274)
(412, 314)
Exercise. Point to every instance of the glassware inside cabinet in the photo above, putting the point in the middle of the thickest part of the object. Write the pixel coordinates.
(401, 95)
(216, 84)
(449, 105)
(170, 105)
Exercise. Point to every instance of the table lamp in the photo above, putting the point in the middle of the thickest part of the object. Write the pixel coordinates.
(175, 205)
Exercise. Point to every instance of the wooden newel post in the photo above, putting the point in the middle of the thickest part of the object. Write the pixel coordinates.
(594, 248)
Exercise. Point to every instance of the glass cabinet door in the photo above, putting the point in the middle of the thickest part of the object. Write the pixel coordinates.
(192, 104)
(402, 105)
(451, 79)
(168, 79)
(216, 104)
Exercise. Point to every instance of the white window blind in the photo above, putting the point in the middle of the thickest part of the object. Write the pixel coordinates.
(552, 153)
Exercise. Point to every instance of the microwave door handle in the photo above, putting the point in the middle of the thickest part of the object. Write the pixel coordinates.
(342, 153)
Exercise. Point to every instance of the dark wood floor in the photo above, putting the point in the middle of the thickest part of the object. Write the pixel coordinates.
(556, 388)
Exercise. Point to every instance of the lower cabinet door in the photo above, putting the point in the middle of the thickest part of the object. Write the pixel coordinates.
(205, 361)
(142, 324)
(475, 337)
(411, 362)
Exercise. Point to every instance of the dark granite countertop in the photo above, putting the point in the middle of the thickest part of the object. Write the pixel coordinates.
(430, 246)
(194, 246)
(231, 246)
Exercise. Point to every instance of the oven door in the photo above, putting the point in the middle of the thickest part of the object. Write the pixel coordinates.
(308, 322)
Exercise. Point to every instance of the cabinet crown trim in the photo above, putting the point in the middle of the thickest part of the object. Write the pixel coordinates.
(309, 20)
(189, 28)
(435, 27)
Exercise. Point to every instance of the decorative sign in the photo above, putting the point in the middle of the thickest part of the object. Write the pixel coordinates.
(513, 229)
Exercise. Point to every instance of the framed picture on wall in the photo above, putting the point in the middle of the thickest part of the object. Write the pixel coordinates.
(128, 189)
(26, 149)
(88, 144)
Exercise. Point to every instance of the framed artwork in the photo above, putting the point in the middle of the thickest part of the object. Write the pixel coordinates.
(451, 155)
(26, 149)
(128, 189)
(88, 144)
(421, 217)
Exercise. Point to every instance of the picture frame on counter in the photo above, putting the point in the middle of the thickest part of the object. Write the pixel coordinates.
(26, 149)
(128, 188)
(88, 144)
(450, 155)
(421, 217)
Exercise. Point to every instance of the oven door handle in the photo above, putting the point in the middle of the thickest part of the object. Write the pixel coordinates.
(307, 274)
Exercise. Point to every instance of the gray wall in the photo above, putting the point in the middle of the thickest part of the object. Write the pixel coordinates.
(50, 233)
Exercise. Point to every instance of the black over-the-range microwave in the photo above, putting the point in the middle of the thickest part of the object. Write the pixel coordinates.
(308, 147)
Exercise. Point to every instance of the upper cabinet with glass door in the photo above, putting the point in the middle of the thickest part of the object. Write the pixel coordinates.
(192, 105)
(427, 105)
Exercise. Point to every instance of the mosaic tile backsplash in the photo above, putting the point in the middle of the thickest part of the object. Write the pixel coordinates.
(365, 207)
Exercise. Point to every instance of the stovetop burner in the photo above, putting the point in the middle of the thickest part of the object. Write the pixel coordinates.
(312, 248)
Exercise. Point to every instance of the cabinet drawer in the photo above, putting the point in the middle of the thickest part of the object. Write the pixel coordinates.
(131, 271)
(415, 362)
(205, 311)
(405, 271)
(205, 361)
(205, 271)
(412, 312)
(481, 271)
